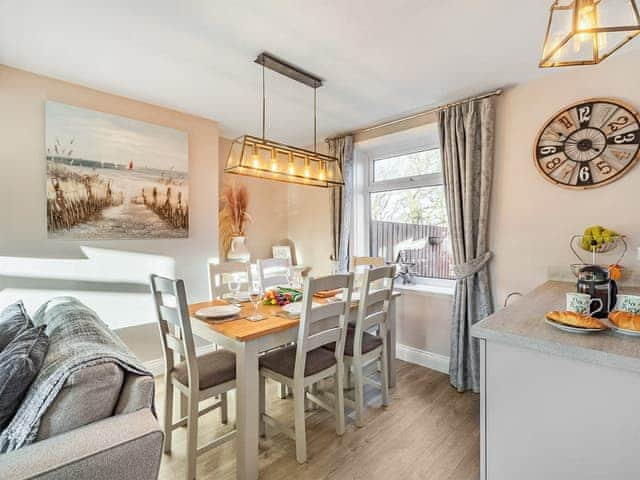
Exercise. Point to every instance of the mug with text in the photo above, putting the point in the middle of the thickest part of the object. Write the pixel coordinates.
(628, 303)
(581, 303)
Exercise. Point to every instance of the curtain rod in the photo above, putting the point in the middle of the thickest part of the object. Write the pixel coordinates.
(420, 114)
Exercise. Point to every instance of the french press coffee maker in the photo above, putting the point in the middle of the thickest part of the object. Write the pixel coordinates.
(596, 281)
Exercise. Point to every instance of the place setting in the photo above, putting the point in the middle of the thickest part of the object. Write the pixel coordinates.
(582, 311)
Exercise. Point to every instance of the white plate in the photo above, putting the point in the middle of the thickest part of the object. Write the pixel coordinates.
(219, 311)
(296, 308)
(570, 329)
(623, 331)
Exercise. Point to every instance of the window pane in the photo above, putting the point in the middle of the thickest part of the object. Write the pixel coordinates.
(411, 165)
(413, 223)
(417, 206)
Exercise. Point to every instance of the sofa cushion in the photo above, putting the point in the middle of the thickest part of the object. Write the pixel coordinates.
(89, 395)
(13, 320)
(20, 362)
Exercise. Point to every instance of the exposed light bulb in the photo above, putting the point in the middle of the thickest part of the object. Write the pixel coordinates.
(291, 167)
(255, 157)
(274, 160)
(586, 21)
(321, 175)
(307, 172)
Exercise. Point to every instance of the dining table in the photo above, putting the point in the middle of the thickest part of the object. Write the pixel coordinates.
(248, 339)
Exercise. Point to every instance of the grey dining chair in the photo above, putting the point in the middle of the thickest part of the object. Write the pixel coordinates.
(303, 365)
(361, 347)
(198, 378)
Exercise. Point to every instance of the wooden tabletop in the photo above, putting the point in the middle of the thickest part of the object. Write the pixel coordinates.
(242, 329)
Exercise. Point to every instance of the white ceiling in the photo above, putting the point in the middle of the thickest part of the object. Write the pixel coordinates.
(380, 59)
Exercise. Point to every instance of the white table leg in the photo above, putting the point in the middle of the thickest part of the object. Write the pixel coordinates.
(391, 343)
(247, 395)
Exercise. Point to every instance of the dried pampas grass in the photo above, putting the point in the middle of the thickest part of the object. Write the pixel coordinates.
(233, 216)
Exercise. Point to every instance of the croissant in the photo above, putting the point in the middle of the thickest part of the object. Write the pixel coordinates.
(626, 320)
(574, 319)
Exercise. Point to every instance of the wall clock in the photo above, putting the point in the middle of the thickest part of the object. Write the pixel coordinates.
(588, 144)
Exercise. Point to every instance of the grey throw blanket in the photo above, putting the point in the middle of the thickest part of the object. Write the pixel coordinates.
(78, 339)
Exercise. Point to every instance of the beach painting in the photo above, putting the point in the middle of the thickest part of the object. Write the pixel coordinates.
(111, 177)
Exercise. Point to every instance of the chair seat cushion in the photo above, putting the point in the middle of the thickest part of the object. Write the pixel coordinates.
(369, 342)
(214, 368)
(283, 361)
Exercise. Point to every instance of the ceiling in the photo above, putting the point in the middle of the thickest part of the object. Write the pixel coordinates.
(380, 59)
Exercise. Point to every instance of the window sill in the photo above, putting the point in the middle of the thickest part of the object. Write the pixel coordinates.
(422, 289)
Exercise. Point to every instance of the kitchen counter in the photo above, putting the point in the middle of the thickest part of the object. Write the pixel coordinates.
(556, 405)
(522, 324)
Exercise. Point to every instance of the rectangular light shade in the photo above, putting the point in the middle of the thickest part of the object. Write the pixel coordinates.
(262, 158)
(585, 32)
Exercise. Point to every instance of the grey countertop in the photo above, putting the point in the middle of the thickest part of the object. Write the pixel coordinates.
(522, 324)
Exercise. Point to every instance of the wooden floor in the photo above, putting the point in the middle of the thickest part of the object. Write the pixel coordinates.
(429, 432)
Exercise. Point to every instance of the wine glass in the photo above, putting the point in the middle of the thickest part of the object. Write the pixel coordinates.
(234, 283)
(255, 295)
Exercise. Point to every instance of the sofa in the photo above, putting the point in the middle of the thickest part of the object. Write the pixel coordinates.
(101, 426)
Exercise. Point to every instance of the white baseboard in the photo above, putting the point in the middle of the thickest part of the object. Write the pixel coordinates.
(431, 360)
(156, 367)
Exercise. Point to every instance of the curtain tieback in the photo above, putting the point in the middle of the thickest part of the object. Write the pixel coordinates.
(465, 270)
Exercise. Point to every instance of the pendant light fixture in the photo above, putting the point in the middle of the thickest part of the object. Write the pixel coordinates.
(264, 158)
(585, 32)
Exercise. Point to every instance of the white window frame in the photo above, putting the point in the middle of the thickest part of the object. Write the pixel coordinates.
(366, 185)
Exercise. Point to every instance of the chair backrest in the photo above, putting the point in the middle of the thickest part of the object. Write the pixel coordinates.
(273, 272)
(325, 323)
(219, 274)
(174, 323)
(366, 262)
(373, 309)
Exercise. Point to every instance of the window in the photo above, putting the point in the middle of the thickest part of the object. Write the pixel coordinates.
(406, 211)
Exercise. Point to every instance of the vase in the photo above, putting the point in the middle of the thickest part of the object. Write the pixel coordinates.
(238, 251)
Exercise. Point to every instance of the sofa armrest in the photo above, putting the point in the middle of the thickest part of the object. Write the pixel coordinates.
(123, 447)
(137, 393)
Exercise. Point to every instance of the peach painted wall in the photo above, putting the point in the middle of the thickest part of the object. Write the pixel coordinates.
(532, 219)
(267, 207)
(22, 184)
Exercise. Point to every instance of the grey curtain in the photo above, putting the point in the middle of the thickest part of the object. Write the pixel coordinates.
(342, 201)
(467, 142)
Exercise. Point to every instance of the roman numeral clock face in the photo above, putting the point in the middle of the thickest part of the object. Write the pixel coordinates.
(588, 144)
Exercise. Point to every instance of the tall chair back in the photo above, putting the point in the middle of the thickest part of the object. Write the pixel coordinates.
(375, 296)
(219, 274)
(369, 262)
(273, 272)
(324, 324)
(174, 323)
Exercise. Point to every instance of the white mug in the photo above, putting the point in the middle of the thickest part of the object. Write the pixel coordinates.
(581, 303)
(628, 303)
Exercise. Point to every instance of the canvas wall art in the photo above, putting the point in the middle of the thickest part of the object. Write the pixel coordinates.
(110, 177)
